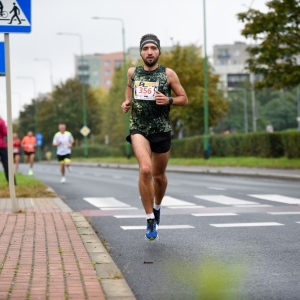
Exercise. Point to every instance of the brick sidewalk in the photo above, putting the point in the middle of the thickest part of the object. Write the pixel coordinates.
(42, 255)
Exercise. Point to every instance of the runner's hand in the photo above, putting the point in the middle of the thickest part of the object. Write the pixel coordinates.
(125, 106)
(161, 99)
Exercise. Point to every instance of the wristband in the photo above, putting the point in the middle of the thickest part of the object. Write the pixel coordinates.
(170, 100)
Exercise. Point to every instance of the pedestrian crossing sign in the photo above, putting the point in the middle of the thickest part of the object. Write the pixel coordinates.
(85, 131)
(15, 16)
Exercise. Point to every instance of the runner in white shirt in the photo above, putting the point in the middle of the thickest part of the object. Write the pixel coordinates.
(63, 140)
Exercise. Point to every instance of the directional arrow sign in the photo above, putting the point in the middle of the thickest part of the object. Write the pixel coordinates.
(15, 16)
(85, 130)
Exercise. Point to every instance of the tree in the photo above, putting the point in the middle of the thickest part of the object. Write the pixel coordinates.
(188, 64)
(278, 35)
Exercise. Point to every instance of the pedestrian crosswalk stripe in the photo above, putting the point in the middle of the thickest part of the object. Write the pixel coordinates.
(278, 198)
(285, 213)
(117, 208)
(170, 201)
(257, 224)
(225, 200)
(189, 206)
(159, 227)
(107, 203)
(254, 205)
(214, 214)
(129, 216)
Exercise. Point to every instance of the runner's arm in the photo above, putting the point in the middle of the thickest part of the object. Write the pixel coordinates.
(128, 92)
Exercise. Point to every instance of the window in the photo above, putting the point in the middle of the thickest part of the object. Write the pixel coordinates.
(108, 82)
(223, 53)
(107, 63)
(236, 52)
(107, 72)
(95, 73)
(118, 64)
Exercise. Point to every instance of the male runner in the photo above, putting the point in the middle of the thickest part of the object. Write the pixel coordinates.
(63, 140)
(28, 143)
(150, 127)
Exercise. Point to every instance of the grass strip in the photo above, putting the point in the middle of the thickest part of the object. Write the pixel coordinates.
(27, 186)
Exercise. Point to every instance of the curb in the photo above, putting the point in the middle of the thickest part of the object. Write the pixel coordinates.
(111, 279)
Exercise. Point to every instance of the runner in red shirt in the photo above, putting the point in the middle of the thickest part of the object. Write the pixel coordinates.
(16, 150)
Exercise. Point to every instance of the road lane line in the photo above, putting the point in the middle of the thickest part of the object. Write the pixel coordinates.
(129, 216)
(225, 200)
(159, 227)
(285, 213)
(214, 214)
(257, 224)
(278, 198)
(170, 201)
(105, 202)
(190, 206)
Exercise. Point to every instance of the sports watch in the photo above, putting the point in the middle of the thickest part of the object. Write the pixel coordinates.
(170, 100)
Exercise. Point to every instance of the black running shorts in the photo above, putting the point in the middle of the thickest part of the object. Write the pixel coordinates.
(159, 142)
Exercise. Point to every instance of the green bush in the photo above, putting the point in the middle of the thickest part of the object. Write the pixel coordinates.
(97, 151)
(253, 144)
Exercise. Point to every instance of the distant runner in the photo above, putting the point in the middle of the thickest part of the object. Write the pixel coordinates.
(63, 140)
(28, 143)
(16, 150)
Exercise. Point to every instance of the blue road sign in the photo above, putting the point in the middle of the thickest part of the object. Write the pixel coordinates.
(2, 58)
(15, 16)
(39, 139)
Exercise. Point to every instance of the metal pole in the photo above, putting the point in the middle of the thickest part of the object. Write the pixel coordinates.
(205, 136)
(254, 117)
(298, 97)
(245, 111)
(128, 149)
(11, 177)
(84, 109)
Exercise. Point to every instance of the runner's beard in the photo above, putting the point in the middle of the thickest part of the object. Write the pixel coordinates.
(152, 63)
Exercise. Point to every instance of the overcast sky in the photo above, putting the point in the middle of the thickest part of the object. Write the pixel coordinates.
(180, 20)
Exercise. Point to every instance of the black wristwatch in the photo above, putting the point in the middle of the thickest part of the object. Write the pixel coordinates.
(170, 100)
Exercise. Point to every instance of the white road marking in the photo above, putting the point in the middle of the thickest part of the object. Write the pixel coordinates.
(285, 213)
(190, 206)
(225, 200)
(258, 224)
(170, 201)
(254, 205)
(107, 203)
(129, 216)
(214, 214)
(159, 227)
(278, 198)
(117, 208)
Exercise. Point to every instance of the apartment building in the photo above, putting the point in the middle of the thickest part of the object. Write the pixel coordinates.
(98, 69)
(229, 61)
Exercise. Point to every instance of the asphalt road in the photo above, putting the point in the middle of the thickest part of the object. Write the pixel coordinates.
(235, 235)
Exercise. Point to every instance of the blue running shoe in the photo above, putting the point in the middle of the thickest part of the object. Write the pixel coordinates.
(156, 215)
(151, 233)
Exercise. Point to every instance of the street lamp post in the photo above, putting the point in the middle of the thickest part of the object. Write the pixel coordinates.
(35, 100)
(245, 106)
(52, 84)
(205, 70)
(35, 108)
(128, 151)
(84, 112)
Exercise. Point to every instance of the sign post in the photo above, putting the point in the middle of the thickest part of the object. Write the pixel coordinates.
(15, 17)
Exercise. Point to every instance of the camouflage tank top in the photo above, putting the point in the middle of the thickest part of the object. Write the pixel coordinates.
(146, 115)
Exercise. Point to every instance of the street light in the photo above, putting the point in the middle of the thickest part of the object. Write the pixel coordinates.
(35, 100)
(128, 151)
(245, 105)
(83, 90)
(51, 82)
(205, 70)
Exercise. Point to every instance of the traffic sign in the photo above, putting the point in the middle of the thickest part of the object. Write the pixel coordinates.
(39, 139)
(2, 58)
(85, 130)
(15, 16)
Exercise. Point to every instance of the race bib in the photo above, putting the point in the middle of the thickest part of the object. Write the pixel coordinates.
(16, 150)
(144, 90)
